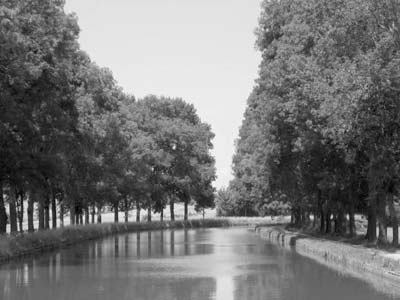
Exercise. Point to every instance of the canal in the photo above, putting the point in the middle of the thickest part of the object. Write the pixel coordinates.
(221, 264)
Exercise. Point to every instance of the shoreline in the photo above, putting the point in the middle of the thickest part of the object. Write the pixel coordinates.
(18, 246)
(377, 267)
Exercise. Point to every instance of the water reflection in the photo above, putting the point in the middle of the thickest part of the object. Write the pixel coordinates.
(138, 244)
(219, 264)
(186, 241)
(149, 243)
(126, 242)
(172, 243)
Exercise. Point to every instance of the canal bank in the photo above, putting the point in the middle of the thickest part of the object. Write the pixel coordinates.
(21, 245)
(379, 268)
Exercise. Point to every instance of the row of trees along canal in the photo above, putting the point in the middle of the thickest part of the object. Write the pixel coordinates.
(69, 136)
(321, 132)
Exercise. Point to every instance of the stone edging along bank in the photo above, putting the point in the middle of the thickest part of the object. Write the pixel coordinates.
(379, 268)
(20, 245)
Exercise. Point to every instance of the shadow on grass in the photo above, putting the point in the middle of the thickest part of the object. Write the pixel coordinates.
(357, 240)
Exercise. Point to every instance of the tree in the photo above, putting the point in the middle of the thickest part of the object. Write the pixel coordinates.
(69, 136)
(178, 156)
(320, 129)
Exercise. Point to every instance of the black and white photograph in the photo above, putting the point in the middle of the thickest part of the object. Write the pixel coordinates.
(199, 149)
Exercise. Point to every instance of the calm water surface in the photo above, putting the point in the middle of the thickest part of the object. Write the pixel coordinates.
(220, 264)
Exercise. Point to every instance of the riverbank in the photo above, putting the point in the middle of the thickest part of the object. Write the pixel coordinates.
(379, 268)
(16, 246)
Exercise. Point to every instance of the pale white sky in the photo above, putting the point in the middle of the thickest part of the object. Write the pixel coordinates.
(199, 50)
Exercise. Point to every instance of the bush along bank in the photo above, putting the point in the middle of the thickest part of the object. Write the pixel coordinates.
(378, 268)
(16, 246)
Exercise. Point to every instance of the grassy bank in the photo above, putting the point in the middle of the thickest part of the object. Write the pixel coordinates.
(32, 243)
(379, 268)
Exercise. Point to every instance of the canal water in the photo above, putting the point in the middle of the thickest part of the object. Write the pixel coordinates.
(221, 264)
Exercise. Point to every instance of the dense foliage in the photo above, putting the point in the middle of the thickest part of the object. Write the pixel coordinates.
(321, 130)
(72, 142)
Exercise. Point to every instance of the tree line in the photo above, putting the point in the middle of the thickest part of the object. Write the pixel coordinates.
(72, 142)
(321, 131)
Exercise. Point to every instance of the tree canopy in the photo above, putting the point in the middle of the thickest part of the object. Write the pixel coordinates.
(72, 141)
(320, 132)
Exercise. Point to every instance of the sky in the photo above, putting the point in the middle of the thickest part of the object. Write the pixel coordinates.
(199, 50)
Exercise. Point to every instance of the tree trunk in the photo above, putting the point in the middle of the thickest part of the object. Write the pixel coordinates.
(41, 211)
(31, 200)
(137, 210)
(394, 221)
(116, 219)
(21, 211)
(126, 208)
(81, 218)
(61, 214)
(99, 214)
(315, 217)
(371, 230)
(352, 225)
(87, 214)
(328, 227)
(53, 210)
(335, 223)
(328, 222)
(72, 213)
(13, 210)
(149, 213)
(93, 213)
(322, 220)
(185, 217)
(340, 230)
(47, 212)
(3, 215)
(305, 217)
(162, 215)
(171, 209)
(395, 224)
(382, 223)
(297, 216)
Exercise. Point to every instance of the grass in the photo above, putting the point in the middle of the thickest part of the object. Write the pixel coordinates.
(369, 264)
(357, 239)
(15, 246)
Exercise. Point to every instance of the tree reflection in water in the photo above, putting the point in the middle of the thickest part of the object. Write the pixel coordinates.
(219, 264)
